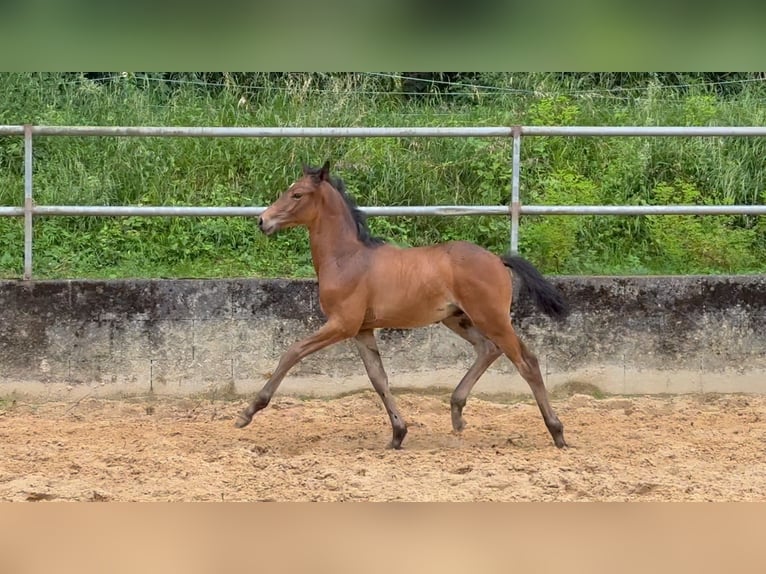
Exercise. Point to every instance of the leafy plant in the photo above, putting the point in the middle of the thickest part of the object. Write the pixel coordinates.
(552, 240)
(382, 171)
(699, 244)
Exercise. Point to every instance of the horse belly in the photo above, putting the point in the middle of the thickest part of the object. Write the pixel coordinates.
(408, 316)
(410, 288)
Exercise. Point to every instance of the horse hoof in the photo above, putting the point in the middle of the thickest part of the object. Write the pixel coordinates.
(395, 444)
(457, 427)
(242, 421)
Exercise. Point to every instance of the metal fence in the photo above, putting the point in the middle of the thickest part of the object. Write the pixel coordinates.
(514, 210)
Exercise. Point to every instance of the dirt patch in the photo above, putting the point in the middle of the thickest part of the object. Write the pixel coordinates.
(702, 447)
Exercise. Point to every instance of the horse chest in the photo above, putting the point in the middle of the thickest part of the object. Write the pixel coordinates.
(335, 299)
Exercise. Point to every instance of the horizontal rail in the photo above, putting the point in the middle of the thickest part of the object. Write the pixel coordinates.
(180, 131)
(30, 209)
(644, 210)
(148, 211)
(713, 131)
(455, 131)
(391, 211)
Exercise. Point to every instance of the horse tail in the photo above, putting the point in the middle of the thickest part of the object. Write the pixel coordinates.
(543, 293)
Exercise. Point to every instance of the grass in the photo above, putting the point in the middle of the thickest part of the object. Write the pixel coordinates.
(7, 403)
(571, 388)
(559, 392)
(378, 171)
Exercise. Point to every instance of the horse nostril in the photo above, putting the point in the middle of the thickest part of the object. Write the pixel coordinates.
(260, 223)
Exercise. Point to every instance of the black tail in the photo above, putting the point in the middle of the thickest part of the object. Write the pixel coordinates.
(545, 295)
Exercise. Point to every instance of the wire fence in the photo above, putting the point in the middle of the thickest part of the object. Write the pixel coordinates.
(454, 87)
(514, 210)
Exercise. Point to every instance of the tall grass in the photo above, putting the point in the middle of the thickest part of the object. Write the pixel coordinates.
(378, 171)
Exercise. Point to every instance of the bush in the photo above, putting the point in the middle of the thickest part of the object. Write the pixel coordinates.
(695, 244)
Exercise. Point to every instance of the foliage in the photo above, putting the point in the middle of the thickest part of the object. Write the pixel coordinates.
(553, 241)
(384, 171)
(698, 243)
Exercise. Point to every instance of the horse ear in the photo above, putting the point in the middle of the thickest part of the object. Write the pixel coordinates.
(324, 172)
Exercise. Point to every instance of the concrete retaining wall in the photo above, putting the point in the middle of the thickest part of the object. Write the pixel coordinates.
(625, 335)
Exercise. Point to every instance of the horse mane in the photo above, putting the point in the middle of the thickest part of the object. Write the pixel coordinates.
(360, 219)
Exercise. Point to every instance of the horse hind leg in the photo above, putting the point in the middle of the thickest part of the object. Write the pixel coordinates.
(499, 329)
(535, 380)
(486, 354)
(529, 368)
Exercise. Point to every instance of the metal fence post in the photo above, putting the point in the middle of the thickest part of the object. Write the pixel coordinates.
(28, 203)
(515, 203)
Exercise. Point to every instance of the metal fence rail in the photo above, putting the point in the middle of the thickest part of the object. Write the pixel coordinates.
(514, 210)
(393, 211)
(356, 132)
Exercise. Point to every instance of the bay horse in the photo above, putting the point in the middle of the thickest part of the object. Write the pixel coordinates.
(367, 284)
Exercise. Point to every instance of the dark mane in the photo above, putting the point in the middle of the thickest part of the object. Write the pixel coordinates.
(362, 230)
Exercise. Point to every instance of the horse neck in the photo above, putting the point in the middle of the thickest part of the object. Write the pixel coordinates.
(333, 236)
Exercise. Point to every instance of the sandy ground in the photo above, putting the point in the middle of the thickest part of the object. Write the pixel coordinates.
(700, 447)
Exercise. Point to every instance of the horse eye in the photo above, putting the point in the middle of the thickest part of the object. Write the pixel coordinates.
(297, 195)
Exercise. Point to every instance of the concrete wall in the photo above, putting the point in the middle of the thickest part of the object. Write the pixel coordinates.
(625, 335)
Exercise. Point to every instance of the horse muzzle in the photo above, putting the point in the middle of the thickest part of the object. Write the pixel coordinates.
(268, 226)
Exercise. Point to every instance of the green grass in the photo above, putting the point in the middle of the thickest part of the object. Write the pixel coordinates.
(378, 171)
(7, 403)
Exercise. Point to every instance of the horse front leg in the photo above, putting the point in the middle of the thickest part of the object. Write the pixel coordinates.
(368, 350)
(329, 334)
